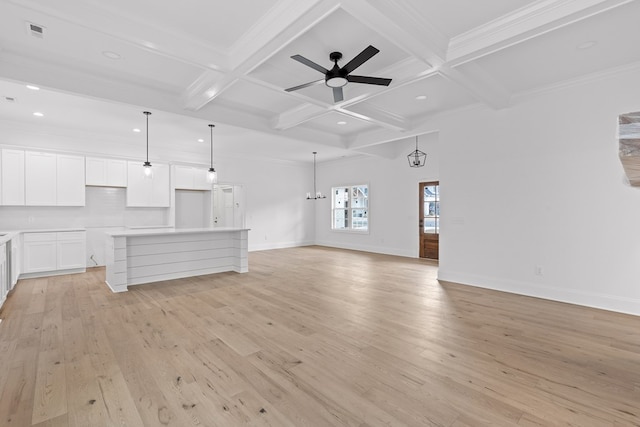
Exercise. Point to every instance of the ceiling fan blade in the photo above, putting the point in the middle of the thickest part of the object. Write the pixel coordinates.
(360, 59)
(304, 85)
(337, 94)
(369, 80)
(310, 63)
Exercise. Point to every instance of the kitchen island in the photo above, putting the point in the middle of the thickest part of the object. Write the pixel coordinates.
(141, 256)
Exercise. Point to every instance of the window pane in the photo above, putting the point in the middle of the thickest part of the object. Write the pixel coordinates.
(341, 198)
(340, 219)
(359, 196)
(360, 219)
(430, 225)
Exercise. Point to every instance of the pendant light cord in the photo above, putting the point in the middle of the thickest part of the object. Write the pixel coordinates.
(147, 113)
(211, 128)
(315, 193)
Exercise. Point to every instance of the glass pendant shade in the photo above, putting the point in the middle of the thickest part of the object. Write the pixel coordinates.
(212, 176)
(146, 166)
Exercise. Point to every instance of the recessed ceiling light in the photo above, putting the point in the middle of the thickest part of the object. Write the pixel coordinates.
(200, 140)
(32, 87)
(136, 130)
(421, 97)
(342, 123)
(587, 45)
(38, 114)
(111, 55)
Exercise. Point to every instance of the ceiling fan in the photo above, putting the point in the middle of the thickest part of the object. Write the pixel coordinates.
(338, 77)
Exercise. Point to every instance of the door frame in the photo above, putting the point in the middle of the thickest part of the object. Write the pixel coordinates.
(421, 232)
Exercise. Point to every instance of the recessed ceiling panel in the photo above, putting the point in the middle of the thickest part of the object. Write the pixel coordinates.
(339, 32)
(420, 98)
(256, 99)
(454, 17)
(569, 52)
(339, 124)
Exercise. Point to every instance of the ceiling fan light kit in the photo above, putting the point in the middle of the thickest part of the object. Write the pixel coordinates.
(338, 77)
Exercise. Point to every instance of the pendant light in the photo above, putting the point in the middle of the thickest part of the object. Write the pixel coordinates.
(212, 175)
(148, 172)
(318, 195)
(417, 158)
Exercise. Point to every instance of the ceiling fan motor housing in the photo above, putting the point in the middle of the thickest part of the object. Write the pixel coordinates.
(336, 77)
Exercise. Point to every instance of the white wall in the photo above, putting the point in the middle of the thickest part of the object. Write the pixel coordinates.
(540, 184)
(276, 210)
(393, 198)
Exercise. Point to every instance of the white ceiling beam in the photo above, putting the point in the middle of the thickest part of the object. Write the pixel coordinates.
(399, 22)
(404, 26)
(523, 24)
(274, 31)
(298, 115)
(480, 84)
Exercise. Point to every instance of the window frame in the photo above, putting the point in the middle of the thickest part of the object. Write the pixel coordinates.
(351, 208)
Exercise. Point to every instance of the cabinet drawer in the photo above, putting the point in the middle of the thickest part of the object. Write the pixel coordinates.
(40, 237)
(70, 235)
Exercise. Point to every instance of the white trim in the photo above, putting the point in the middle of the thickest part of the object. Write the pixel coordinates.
(545, 291)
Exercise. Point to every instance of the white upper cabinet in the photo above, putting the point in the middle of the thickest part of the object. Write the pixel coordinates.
(54, 179)
(70, 180)
(145, 192)
(106, 172)
(191, 178)
(12, 177)
(40, 183)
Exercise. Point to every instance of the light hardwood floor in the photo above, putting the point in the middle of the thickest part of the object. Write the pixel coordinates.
(311, 337)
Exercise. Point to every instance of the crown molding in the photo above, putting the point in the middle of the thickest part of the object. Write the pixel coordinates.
(523, 24)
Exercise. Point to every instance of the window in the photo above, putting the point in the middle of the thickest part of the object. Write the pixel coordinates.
(350, 208)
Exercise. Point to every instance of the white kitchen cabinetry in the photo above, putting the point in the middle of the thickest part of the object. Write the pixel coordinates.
(106, 172)
(40, 252)
(70, 180)
(145, 192)
(4, 280)
(40, 179)
(191, 178)
(54, 179)
(54, 252)
(12, 178)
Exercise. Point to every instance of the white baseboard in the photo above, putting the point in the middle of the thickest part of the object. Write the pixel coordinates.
(550, 292)
(368, 248)
(277, 245)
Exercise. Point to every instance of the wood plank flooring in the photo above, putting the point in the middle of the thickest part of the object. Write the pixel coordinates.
(311, 336)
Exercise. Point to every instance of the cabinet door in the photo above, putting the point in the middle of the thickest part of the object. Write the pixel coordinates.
(40, 179)
(71, 250)
(161, 186)
(200, 181)
(116, 173)
(39, 252)
(70, 180)
(12, 177)
(184, 177)
(138, 188)
(96, 171)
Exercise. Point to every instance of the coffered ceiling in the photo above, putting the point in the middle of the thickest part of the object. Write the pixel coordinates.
(99, 63)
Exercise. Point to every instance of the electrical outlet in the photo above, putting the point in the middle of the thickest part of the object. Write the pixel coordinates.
(538, 271)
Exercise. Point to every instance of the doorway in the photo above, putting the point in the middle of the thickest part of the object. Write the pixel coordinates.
(429, 219)
(228, 206)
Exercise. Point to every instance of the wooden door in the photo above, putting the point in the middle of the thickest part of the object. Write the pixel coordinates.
(429, 219)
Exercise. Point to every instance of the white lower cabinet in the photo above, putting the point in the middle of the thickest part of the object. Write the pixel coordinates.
(53, 252)
(40, 252)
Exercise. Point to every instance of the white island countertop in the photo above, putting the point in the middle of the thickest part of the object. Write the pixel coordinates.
(169, 231)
